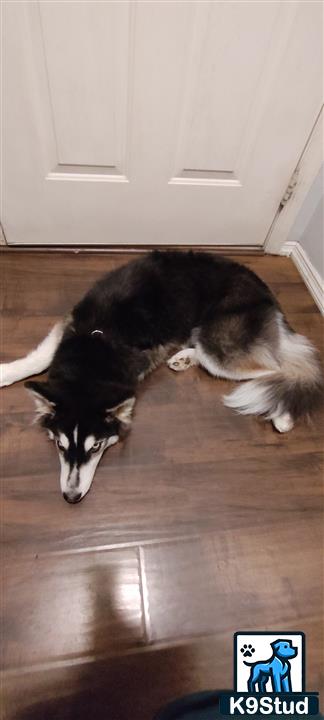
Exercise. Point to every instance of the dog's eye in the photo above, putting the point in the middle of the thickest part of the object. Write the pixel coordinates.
(60, 446)
(96, 446)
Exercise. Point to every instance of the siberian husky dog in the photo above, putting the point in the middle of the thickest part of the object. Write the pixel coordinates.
(183, 308)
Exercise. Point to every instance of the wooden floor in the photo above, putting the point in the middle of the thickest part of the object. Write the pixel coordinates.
(202, 523)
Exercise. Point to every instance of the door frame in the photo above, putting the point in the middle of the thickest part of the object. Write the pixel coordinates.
(306, 170)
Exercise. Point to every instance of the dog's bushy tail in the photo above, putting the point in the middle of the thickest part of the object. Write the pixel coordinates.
(294, 390)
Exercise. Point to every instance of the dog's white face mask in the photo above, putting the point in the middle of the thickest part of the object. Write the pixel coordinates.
(79, 448)
(76, 479)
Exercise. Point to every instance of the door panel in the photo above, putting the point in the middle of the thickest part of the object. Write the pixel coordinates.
(223, 76)
(152, 122)
(87, 80)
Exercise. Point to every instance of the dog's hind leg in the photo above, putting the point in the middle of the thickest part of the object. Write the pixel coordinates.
(183, 359)
(231, 369)
(237, 345)
(230, 347)
(262, 684)
(252, 681)
(36, 361)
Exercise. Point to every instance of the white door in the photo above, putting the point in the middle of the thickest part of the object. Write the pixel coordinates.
(154, 122)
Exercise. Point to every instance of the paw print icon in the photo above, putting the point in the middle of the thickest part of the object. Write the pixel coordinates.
(247, 650)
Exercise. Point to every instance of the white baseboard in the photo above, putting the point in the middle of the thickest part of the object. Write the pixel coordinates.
(309, 274)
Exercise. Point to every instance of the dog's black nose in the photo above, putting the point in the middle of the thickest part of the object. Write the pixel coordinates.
(72, 498)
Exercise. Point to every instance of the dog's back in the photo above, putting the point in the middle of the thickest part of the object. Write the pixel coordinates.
(163, 296)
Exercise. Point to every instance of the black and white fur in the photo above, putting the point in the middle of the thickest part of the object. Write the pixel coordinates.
(183, 308)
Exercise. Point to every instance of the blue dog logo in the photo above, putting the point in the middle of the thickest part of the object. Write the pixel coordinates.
(269, 687)
(277, 668)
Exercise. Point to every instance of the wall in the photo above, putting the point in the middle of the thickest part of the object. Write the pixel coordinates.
(308, 228)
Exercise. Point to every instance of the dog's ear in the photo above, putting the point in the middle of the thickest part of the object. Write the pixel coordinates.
(123, 411)
(43, 398)
(276, 644)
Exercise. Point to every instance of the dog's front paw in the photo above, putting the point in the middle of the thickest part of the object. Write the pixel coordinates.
(6, 374)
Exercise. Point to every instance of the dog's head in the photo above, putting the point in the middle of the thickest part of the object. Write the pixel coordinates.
(82, 411)
(82, 428)
(284, 649)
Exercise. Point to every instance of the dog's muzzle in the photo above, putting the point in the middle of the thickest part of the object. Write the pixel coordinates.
(72, 497)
